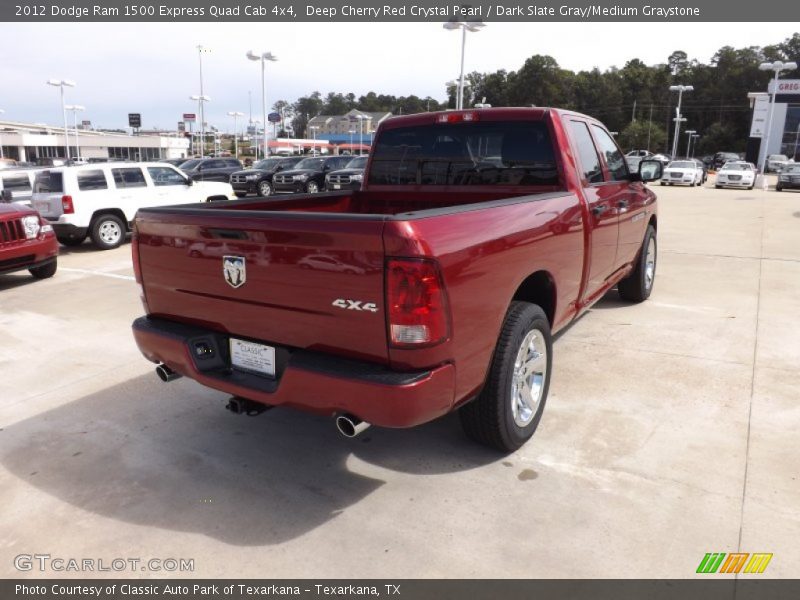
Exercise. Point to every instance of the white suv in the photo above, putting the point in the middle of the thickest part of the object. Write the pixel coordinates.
(101, 199)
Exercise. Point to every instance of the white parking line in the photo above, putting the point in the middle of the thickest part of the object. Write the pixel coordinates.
(99, 273)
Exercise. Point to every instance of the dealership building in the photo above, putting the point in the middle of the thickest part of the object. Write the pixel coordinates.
(29, 142)
(784, 134)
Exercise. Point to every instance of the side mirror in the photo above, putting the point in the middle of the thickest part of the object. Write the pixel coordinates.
(649, 170)
(189, 181)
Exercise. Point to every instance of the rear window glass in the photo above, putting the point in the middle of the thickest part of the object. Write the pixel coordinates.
(17, 183)
(48, 182)
(489, 153)
(126, 178)
(92, 180)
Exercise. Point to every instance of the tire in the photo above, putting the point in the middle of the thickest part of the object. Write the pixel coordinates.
(312, 187)
(637, 286)
(45, 271)
(719, 187)
(505, 416)
(108, 232)
(264, 188)
(240, 194)
(662, 183)
(71, 242)
(778, 188)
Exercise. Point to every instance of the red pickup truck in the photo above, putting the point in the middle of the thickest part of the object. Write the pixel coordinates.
(476, 235)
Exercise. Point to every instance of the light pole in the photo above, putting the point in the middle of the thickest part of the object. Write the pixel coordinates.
(200, 51)
(2, 112)
(689, 133)
(796, 139)
(777, 67)
(680, 89)
(694, 144)
(313, 129)
(76, 108)
(201, 100)
(263, 57)
(465, 26)
(352, 131)
(235, 114)
(62, 83)
(361, 132)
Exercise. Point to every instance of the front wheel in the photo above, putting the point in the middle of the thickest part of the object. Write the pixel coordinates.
(264, 188)
(778, 188)
(637, 286)
(312, 187)
(507, 412)
(44, 271)
(108, 232)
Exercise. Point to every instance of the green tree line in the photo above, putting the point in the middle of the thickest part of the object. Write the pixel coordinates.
(633, 100)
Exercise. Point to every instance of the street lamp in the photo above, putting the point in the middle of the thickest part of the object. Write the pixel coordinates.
(263, 57)
(200, 51)
(235, 114)
(465, 26)
(361, 132)
(352, 131)
(678, 118)
(76, 108)
(689, 133)
(62, 83)
(201, 100)
(313, 129)
(777, 67)
(694, 144)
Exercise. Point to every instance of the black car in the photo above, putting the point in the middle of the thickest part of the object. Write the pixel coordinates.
(258, 178)
(789, 178)
(175, 162)
(348, 178)
(720, 158)
(211, 169)
(309, 174)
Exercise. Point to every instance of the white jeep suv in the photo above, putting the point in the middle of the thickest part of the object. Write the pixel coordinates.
(100, 200)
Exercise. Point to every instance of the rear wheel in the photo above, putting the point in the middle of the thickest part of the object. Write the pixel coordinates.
(507, 412)
(312, 187)
(108, 231)
(44, 271)
(67, 241)
(264, 188)
(637, 286)
(240, 194)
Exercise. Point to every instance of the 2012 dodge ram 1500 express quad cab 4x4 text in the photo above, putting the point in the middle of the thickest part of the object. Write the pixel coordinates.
(476, 235)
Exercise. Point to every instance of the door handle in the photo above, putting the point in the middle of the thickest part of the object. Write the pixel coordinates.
(599, 210)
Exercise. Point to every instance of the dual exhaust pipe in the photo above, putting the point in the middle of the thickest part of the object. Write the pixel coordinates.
(348, 425)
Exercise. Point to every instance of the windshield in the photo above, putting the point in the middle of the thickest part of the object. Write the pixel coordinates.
(461, 153)
(190, 164)
(736, 166)
(314, 164)
(791, 169)
(779, 157)
(357, 163)
(682, 165)
(268, 164)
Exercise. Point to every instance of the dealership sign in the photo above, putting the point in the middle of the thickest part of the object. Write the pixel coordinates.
(785, 86)
(189, 117)
(760, 113)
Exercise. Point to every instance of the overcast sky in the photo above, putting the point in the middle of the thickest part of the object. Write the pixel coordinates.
(153, 68)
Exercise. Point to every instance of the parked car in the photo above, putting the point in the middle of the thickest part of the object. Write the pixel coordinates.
(27, 242)
(738, 174)
(789, 178)
(703, 167)
(211, 169)
(349, 178)
(175, 162)
(8, 163)
(708, 161)
(686, 172)
(100, 200)
(664, 159)
(639, 153)
(776, 162)
(477, 237)
(720, 158)
(258, 178)
(309, 174)
(19, 182)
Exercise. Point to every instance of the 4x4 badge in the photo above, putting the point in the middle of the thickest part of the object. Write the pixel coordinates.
(233, 268)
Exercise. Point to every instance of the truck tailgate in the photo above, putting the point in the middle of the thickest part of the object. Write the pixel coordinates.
(294, 271)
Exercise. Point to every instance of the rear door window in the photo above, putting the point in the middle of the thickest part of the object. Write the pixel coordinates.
(92, 180)
(128, 177)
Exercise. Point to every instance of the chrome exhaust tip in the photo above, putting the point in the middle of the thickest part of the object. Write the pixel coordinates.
(350, 426)
(166, 374)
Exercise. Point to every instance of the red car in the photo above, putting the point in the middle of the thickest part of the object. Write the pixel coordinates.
(475, 236)
(26, 242)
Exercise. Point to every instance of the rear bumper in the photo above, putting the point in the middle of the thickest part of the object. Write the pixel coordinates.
(310, 381)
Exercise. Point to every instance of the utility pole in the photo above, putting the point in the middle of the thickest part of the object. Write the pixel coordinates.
(649, 127)
(633, 116)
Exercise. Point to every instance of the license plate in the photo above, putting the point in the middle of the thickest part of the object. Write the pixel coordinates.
(336, 186)
(252, 357)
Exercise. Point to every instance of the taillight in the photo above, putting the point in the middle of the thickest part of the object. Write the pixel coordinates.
(457, 117)
(66, 205)
(417, 304)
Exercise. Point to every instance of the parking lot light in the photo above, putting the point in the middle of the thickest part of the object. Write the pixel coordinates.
(313, 129)
(200, 51)
(76, 108)
(263, 57)
(678, 117)
(361, 132)
(62, 83)
(465, 26)
(695, 137)
(776, 67)
(689, 133)
(351, 132)
(235, 114)
(201, 100)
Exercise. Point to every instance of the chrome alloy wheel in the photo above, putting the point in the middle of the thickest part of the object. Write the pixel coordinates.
(530, 372)
(650, 264)
(110, 232)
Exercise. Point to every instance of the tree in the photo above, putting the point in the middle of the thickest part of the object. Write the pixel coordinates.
(642, 135)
